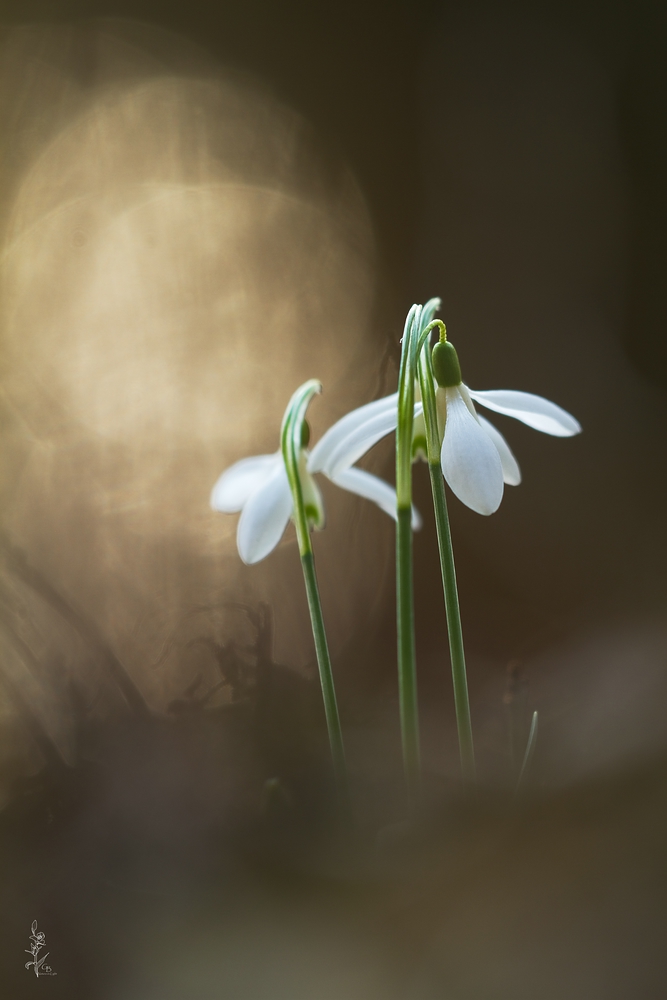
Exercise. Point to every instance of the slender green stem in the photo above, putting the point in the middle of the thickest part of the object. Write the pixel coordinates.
(456, 650)
(291, 438)
(406, 409)
(414, 334)
(326, 674)
(407, 675)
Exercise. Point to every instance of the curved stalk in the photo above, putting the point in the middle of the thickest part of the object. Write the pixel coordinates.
(416, 324)
(405, 624)
(291, 437)
(457, 654)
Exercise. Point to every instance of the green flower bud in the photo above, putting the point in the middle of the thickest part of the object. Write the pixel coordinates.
(446, 366)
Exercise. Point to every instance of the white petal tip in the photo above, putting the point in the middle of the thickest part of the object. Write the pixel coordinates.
(249, 560)
(535, 411)
(216, 499)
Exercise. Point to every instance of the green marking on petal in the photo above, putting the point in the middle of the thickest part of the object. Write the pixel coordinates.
(312, 498)
(419, 448)
(314, 516)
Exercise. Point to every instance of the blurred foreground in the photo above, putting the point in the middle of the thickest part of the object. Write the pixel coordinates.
(170, 868)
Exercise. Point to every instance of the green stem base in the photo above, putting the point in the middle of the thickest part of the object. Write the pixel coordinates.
(461, 702)
(407, 675)
(326, 675)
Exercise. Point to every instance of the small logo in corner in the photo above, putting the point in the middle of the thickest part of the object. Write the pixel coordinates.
(37, 942)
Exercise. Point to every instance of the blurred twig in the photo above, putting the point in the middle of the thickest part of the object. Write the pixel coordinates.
(528, 756)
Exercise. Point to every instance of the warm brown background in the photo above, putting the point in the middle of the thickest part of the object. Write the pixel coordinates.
(509, 157)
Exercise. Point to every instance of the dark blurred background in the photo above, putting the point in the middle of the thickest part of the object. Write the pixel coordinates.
(510, 157)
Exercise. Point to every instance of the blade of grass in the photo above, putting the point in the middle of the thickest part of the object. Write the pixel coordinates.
(528, 756)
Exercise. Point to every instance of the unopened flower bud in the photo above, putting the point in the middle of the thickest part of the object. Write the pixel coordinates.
(446, 366)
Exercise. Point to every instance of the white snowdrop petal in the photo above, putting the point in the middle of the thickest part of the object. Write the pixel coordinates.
(537, 412)
(511, 470)
(364, 484)
(360, 441)
(264, 518)
(469, 458)
(240, 480)
(331, 439)
(351, 449)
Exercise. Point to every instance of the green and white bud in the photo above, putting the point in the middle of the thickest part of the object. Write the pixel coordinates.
(446, 367)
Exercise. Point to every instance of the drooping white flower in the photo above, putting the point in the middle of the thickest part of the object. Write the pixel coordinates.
(259, 488)
(475, 458)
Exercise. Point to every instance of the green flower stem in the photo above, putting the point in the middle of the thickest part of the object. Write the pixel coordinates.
(291, 437)
(460, 681)
(459, 678)
(414, 335)
(406, 407)
(407, 675)
(326, 675)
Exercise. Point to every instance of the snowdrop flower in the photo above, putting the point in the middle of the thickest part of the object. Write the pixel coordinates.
(475, 458)
(259, 488)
